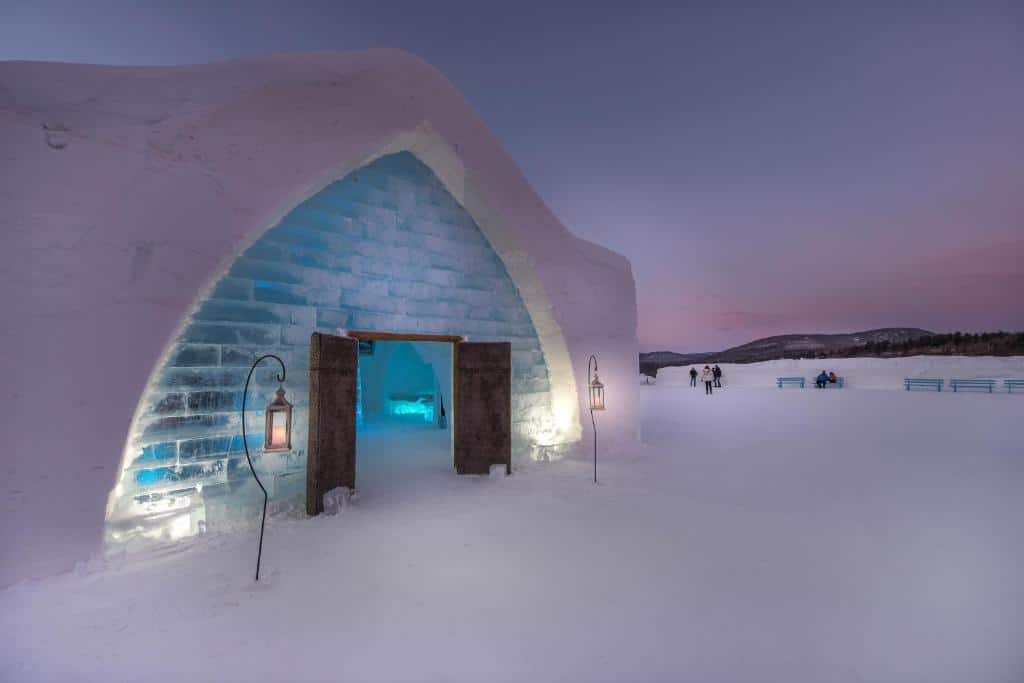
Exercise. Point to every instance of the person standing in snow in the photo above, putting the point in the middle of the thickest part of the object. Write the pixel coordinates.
(693, 377)
(708, 377)
(717, 372)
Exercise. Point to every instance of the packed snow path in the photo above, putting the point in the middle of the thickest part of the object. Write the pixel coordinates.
(761, 535)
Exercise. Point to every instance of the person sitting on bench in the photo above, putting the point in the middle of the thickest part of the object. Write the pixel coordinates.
(832, 379)
(821, 381)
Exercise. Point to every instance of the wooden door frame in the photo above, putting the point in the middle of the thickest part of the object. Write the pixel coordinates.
(401, 336)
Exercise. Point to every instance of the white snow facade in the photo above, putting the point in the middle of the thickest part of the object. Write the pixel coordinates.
(164, 226)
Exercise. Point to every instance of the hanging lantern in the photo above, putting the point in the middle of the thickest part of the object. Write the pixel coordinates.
(596, 393)
(596, 390)
(279, 425)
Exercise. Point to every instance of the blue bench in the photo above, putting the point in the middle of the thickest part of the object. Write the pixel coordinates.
(789, 381)
(1012, 384)
(972, 384)
(922, 383)
(838, 384)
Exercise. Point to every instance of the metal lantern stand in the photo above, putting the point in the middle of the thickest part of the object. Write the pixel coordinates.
(245, 442)
(595, 398)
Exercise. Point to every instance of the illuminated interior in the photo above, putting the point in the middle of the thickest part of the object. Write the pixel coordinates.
(402, 386)
(404, 382)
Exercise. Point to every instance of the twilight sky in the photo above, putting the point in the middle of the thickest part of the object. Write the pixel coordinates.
(825, 168)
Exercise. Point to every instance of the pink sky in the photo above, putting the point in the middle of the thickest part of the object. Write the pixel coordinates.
(767, 168)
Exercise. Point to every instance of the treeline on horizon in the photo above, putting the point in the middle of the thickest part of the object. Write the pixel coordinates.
(948, 344)
(944, 344)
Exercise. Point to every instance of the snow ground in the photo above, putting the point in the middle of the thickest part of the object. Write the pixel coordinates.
(862, 373)
(760, 535)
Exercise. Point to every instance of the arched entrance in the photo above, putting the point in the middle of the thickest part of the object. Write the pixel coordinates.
(387, 248)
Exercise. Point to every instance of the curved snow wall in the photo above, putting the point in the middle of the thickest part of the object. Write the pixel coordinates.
(387, 248)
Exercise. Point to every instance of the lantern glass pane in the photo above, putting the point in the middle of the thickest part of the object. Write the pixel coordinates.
(278, 428)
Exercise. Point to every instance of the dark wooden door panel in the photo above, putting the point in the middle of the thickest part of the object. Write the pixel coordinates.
(331, 456)
(483, 406)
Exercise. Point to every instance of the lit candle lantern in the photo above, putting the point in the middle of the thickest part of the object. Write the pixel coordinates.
(279, 424)
(596, 393)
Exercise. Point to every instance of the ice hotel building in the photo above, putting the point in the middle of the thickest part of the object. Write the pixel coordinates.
(164, 227)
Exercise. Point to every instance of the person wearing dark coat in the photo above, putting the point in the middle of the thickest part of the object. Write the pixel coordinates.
(821, 381)
(717, 371)
(693, 377)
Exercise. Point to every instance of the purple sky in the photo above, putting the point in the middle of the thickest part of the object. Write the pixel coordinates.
(767, 171)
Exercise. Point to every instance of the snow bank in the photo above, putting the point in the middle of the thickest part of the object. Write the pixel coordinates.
(859, 373)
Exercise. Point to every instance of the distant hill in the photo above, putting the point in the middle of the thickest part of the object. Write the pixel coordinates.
(781, 346)
(798, 345)
(886, 342)
(664, 359)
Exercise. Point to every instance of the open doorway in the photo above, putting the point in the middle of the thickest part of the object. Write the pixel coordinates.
(403, 414)
(392, 417)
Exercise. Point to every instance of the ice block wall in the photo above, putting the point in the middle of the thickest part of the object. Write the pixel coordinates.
(386, 248)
